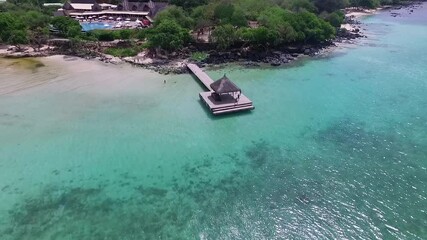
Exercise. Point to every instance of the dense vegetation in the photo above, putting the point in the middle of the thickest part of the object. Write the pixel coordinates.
(225, 23)
(279, 22)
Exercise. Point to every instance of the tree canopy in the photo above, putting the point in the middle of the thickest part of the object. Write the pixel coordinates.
(277, 22)
(23, 28)
(66, 26)
(169, 36)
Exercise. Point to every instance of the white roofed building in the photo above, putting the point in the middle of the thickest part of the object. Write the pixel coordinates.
(132, 9)
(82, 6)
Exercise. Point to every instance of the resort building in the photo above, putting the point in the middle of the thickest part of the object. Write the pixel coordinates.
(135, 5)
(81, 6)
(126, 9)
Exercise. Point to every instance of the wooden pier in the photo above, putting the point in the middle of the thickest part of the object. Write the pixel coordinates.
(227, 102)
(201, 75)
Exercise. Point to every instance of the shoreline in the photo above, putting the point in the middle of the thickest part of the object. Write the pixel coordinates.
(176, 64)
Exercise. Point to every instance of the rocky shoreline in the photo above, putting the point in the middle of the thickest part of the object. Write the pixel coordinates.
(246, 57)
(351, 30)
(176, 63)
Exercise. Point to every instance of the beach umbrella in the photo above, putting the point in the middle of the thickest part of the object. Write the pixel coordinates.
(111, 18)
(137, 20)
(119, 18)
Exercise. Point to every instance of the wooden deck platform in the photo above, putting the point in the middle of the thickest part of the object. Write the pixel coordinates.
(227, 104)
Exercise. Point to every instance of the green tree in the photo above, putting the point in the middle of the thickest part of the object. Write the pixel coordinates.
(74, 31)
(37, 28)
(330, 5)
(335, 18)
(187, 4)
(224, 36)
(35, 19)
(35, 3)
(203, 16)
(238, 18)
(278, 19)
(7, 24)
(38, 36)
(168, 35)
(260, 37)
(18, 37)
(104, 35)
(365, 3)
(253, 8)
(125, 34)
(299, 5)
(66, 26)
(8, 7)
(176, 14)
(311, 28)
(223, 12)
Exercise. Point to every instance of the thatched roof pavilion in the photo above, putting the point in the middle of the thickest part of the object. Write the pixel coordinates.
(223, 95)
(224, 85)
(224, 89)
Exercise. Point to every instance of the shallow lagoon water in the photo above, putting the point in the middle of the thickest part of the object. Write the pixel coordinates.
(336, 148)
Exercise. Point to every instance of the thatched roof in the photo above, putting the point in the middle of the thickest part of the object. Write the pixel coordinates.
(224, 85)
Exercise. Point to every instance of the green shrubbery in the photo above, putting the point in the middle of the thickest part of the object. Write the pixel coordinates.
(290, 21)
(23, 27)
(127, 50)
(280, 22)
(122, 52)
(168, 35)
(335, 18)
(199, 56)
(111, 35)
(67, 27)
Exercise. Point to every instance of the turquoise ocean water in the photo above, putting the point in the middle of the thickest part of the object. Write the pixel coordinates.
(335, 149)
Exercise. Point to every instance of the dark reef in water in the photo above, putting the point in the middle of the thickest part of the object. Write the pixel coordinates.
(347, 174)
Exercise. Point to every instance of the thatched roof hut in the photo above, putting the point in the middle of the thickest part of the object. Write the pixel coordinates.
(224, 85)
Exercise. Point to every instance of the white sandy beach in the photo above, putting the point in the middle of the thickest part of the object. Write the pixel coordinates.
(357, 14)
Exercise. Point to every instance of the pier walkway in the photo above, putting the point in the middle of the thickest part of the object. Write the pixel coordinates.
(201, 75)
(227, 102)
